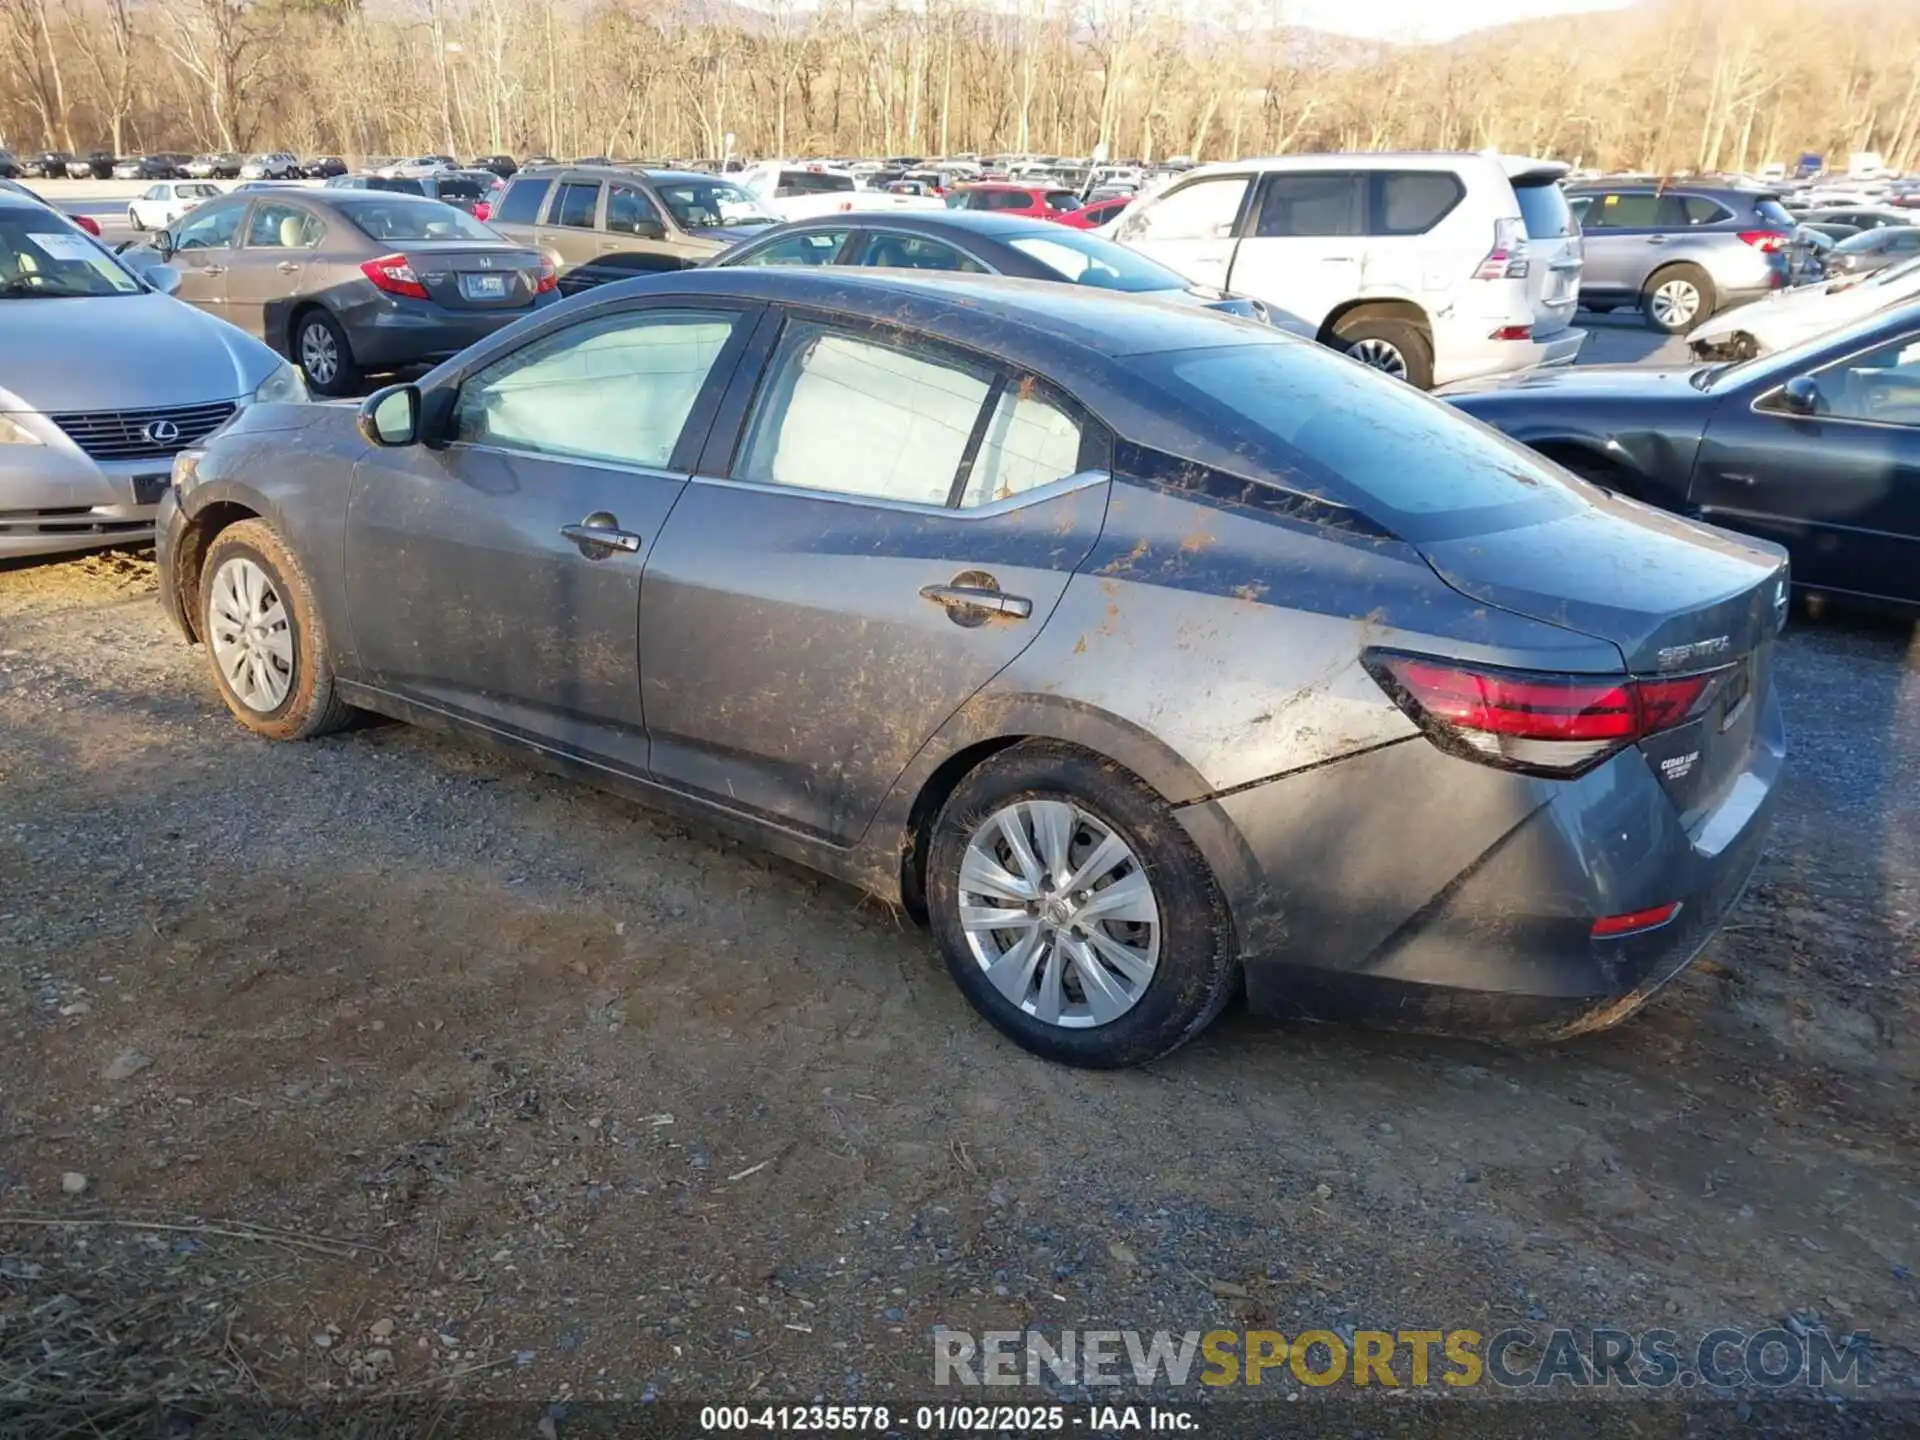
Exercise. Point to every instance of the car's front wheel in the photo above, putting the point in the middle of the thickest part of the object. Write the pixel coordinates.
(133, 219)
(1073, 911)
(269, 649)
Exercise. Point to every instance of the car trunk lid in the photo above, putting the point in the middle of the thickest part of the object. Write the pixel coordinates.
(1675, 598)
(464, 276)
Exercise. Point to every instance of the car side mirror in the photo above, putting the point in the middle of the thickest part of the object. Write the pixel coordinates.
(649, 230)
(390, 418)
(163, 242)
(1801, 396)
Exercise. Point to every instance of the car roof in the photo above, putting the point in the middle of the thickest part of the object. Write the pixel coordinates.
(972, 222)
(1512, 166)
(1022, 186)
(1050, 327)
(614, 172)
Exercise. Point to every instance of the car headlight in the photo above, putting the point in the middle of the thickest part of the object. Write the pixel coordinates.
(284, 384)
(12, 432)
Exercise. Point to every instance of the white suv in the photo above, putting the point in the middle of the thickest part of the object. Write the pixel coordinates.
(1432, 267)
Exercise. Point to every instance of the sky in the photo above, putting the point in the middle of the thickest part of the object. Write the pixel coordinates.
(1411, 20)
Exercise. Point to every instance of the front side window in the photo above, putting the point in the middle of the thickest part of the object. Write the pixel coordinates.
(1881, 386)
(1294, 205)
(917, 252)
(616, 389)
(282, 227)
(711, 204)
(576, 206)
(911, 413)
(211, 228)
(813, 247)
(1198, 210)
(631, 213)
(1031, 440)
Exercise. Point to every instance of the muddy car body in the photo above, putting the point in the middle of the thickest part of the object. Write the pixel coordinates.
(1139, 648)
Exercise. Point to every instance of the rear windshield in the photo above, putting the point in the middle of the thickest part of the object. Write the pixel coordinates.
(1773, 212)
(1321, 424)
(1098, 264)
(398, 218)
(459, 189)
(811, 182)
(1544, 209)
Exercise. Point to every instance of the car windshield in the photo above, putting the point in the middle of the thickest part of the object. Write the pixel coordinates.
(711, 204)
(41, 258)
(1098, 264)
(394, 217)
(1318, 424)
(461, 189)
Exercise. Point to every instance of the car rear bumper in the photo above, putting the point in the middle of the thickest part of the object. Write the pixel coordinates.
(1476, 356)
(1409, 889)
(385, 332)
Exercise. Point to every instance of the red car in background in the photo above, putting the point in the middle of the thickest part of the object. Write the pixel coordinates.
(1045, 202)
(1092, 217)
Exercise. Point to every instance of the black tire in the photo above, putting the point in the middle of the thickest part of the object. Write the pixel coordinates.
(1675, 322)
(1601, 307)
(133, 221)
(311, 707)
(1364, 334)
(1196, 972)
(346, 376)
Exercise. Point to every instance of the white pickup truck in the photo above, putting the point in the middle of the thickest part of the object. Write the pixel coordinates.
(798, 191)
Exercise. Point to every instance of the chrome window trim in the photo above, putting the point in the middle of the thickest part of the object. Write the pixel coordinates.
(1065, 485)
(1754, 406)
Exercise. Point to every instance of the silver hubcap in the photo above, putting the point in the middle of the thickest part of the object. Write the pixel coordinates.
(1380, 355)
(1059, 913)
(1675, 303)
(319, 356)
(250, 634)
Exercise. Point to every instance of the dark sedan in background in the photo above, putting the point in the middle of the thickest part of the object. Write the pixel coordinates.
(965, 242)
(348, 282)
(1816, 447)
(1139, 648)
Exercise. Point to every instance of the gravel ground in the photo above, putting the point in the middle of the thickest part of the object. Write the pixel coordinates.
(629, 1110)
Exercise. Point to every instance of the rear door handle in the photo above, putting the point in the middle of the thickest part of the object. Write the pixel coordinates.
(1656, 239)
(287, 267)
(1735, 478)
(600, 535)
(213, 270)
(978, 597)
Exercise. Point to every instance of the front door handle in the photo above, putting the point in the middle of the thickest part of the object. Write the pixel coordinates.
(1656, 240)
(600, 535)
(975, 602)
(1735, 478)
(213, 270)
(287, 267)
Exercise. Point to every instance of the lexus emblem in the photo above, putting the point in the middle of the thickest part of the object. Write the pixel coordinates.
(160, 432)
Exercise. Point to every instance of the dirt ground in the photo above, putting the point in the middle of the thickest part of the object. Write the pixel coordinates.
(589, 1104)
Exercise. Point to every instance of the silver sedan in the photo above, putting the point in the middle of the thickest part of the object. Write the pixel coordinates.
(103, 379)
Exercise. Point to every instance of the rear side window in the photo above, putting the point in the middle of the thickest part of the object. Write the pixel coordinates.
(1327, 204)
(576, 206)
(522, 202)
(1412, 202)
(812, 247)
(914, 412)
(1296, 413)
(1062, 200)
(1545, 211)
(1699, 210)
(1031, 440)
(917, 252)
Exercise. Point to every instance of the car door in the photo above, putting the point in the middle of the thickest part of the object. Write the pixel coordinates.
(895, 525)
(1622, 242)
(633, 236)
(1840, 488)
(1192, 228)
(496, 575)
(269, 266)
(570, 233)
(1305, 242)
(200, 247)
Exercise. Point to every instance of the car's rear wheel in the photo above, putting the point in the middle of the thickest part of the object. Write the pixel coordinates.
(1395, 347)
(1677, 297)
(1073, 911)
(321, 347)
(270, 656)
(133, 219)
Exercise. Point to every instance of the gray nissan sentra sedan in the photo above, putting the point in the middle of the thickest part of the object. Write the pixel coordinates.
(1143, 652)
(103, 379)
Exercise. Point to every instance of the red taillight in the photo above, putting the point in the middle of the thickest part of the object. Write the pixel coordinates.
(1512, 332)
(1508, 258)
(1768, 242)
(547, 279)
(1609, 927)
(1543, 724)
(88, 224)
(483, 210)
(394, 275)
